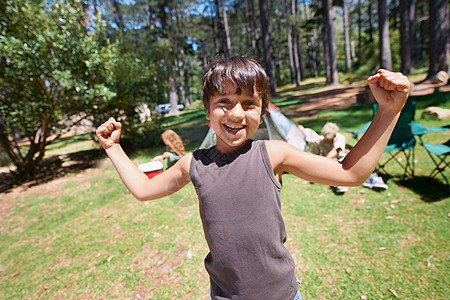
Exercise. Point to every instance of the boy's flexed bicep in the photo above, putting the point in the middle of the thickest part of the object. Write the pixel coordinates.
(168, 182)
(135, 180)
(140, 185)
(314, 168)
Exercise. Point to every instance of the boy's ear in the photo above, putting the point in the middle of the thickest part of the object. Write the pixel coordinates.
(207, 114)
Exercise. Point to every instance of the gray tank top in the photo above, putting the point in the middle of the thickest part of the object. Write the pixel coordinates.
(240, 208)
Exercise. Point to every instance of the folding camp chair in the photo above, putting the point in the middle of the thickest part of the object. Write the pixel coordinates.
(439, 153)
(441, 159)
(402, 140)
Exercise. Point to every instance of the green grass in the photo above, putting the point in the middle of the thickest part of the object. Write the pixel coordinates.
(83, 236)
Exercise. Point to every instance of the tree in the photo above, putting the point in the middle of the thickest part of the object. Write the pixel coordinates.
(267, 46)
(407, 35)
(55, 71)
(289, 28)
(359, 32)
(226, 28)
(223, 32)
(330, 43)
(296, 45)
(346, 35)
(252, 25)
(439, 28)
(384, 45)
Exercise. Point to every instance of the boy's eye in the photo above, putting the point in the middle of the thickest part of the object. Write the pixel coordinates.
(224, 101)
(250, 103)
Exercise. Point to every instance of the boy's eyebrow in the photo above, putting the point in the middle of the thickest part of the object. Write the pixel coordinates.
(222, 93)
(248, 95)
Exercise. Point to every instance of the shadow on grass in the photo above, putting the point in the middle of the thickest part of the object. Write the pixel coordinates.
(54, 167)
(435, 99)
(429, 189)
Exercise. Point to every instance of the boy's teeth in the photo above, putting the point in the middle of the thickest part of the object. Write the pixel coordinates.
(234, 127)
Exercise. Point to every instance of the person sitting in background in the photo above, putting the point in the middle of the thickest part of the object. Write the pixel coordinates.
(174, 148)
(330, 144)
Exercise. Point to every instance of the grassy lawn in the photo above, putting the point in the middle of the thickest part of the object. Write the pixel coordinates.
(83, 236)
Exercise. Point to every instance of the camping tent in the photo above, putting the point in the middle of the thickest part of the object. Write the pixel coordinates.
(274, 126)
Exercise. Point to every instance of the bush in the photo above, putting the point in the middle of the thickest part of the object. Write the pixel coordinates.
(142, 136)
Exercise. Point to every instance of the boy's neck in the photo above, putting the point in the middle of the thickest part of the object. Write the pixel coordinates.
(225, 149)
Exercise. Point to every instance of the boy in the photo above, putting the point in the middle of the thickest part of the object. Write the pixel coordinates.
(238, 181)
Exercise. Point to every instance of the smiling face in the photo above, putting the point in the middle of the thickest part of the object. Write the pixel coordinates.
(234, 116)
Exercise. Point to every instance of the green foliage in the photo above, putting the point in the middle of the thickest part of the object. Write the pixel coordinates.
(142, 136)
(53, 67)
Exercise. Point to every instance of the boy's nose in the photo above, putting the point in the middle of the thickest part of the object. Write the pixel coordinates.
(237, 112)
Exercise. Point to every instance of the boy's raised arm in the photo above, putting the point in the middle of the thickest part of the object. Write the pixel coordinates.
(391, 91)
(136, 181)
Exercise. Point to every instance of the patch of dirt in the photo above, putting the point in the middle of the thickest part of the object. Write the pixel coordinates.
(337, 96)
(51, 168)
(46, 184)
(343, 96)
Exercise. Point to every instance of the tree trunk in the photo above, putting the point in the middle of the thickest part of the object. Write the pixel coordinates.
(298, 57)
(421, 45)
(253, 32)
(359, 33)
(316, 51)
(299, 49)
(384, 46)
(326, 54)
(291, 52)
(295, 50)
(215, 35)
(226, 29)
(179, 83)
(170, 60)
(280, 56)
(439, 28)
(406, 35)
(118, 18)
(267, 46)
(220, 29)
(204, 56)
(188, 97)
(346, 36)
(371, 21)
(173, 98)
(330, 43)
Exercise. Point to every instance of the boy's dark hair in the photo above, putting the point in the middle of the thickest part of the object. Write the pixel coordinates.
(242, 72)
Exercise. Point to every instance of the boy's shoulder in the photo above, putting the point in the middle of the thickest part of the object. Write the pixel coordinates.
(276, 148)
(184, 164)
(276, 145)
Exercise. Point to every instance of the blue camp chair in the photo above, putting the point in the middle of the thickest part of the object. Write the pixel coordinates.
(439, 153)
(402, 140)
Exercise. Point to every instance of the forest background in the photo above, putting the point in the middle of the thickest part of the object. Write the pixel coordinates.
(66, 61)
